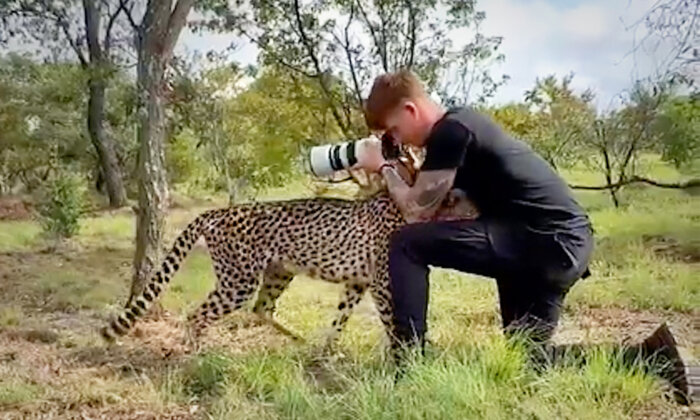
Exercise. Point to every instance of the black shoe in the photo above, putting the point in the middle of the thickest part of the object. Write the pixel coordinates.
(662, 348)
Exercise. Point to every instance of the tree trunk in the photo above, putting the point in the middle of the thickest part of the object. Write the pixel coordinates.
(107, 157)
(157, 35)
(104, 145)
(153, 185)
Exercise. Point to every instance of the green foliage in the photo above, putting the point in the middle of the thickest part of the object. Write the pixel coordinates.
(564, 119)
(553, 119)
(40, 111)
(230, 134)
(43, 108)
(515, 118)
(678, 126)
(62, 204)
(341, 46)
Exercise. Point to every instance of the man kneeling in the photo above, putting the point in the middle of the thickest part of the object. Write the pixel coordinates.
(532, 236)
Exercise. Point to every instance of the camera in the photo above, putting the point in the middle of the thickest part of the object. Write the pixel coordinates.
(327, 159)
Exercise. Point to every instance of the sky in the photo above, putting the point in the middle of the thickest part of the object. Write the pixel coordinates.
(591, 38)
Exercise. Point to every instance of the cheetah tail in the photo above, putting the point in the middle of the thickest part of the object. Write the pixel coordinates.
(139, 306)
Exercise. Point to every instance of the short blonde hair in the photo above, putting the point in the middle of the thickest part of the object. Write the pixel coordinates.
(388, 91)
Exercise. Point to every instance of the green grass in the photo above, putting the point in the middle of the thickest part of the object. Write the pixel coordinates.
(18, 236)
(15, 391)
(627, 269)
(491, 380)
(68, 290)
(10, 315)
(116, 230)
(192, 284)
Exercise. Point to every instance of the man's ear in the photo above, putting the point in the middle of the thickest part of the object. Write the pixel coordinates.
(411, 107)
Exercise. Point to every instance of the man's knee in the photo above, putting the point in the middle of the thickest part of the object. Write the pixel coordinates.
(412, 238)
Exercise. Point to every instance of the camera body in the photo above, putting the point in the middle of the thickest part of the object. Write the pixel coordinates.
(329, 158)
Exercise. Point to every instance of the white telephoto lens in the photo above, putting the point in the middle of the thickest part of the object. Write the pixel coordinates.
(327, 159)
(319, 161)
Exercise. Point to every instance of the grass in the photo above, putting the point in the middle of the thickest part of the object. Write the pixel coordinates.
(71, 290)
(14, 391)
(490, 380)
(18, 236)
(646, 259)
(192, 284)
(10, 316)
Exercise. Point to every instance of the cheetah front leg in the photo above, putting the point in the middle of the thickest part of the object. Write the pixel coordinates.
(275, 280)
(381, 294)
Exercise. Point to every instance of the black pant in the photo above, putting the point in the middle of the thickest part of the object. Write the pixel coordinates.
(533, 269)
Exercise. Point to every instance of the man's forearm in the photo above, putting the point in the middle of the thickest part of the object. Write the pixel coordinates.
(398, 189)
(420, 202)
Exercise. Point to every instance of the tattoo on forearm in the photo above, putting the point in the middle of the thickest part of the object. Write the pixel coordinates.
(433, 194)
(424, 198)
(394, 180)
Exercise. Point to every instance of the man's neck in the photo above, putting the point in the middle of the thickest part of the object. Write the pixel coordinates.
(434, 112)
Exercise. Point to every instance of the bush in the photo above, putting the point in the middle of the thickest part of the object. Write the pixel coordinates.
(61, 204)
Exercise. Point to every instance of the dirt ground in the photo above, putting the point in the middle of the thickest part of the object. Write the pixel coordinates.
(15, 208)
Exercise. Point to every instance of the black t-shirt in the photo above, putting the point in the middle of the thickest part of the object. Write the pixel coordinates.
(503, 176)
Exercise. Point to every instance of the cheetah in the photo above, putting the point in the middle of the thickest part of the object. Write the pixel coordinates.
(338, 240)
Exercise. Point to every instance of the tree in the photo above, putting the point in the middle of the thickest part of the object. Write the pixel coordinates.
(672, 29)
(40, 115)
(201, 101)
(467, 78)
(156, 36)
(251, 124)
(515, 118)
(343, 44)
(620, 137)
(563, 119)
(678, 127)
(60, 24)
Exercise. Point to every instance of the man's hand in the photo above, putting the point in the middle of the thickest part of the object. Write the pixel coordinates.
(370, 157)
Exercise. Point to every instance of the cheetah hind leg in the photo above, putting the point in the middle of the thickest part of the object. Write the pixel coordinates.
(222, 301)
(275, 280)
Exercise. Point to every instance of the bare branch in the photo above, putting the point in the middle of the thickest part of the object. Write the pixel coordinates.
(127, 12)
(317, 66)
(59, 18)
(345, 43)
(92, 29)
(375, 38)
(108, 30)
(693, 183)
(411, 35)
(277, 58)
(176, 22)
